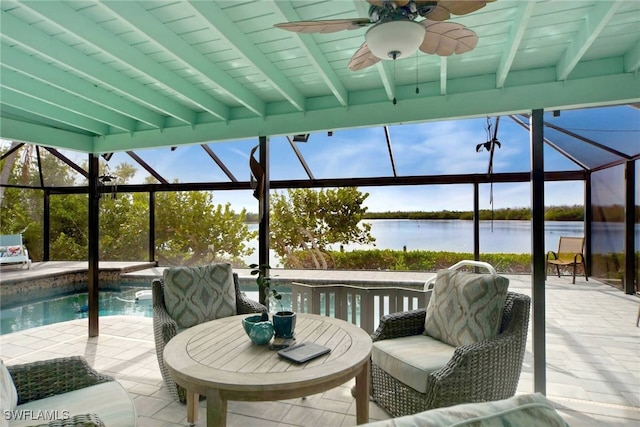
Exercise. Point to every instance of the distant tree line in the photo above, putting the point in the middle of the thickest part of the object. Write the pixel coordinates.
(552, 213)
(609, 213)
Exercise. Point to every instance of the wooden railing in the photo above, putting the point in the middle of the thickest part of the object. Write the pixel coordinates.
(362, 306)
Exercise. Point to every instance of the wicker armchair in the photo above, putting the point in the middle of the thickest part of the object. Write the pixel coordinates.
(165, 328)
(42, 379)
(484, 371)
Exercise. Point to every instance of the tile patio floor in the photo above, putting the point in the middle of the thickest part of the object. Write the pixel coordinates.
(593, 363)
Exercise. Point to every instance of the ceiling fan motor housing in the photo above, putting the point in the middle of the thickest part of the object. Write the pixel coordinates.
(391, 11)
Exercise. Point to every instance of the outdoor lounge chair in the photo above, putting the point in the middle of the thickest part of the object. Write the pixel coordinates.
(68, 391)
(13, 250)
(467, 346)
(569, 254)
(185, 297)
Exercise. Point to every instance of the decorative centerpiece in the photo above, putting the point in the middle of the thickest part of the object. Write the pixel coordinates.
(284, 321)
(260, 331)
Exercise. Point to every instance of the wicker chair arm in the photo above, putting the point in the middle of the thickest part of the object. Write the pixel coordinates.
(38, 380)
(157, 293)
(485, 370)
(161, 319)
(245, 305)
(402, 324)
(85, 420)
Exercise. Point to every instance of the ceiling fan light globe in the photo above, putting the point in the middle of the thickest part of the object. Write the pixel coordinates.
(400, 37)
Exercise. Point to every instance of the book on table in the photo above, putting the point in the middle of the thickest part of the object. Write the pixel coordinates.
(303, 352)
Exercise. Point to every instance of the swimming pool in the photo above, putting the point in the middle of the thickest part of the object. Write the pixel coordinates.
(70, 307)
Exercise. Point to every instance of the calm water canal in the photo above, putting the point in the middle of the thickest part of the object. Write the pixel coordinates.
(457, 235)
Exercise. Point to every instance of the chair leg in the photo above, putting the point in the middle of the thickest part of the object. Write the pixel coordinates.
(574, 273)
(558, 269)
(546, 269)
(584, 268)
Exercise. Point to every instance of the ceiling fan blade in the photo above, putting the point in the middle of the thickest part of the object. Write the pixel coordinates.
(461, 7)
(325, 26)
(362, 59)
(447, 38)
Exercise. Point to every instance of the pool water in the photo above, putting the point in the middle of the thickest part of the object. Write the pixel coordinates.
(71, 307)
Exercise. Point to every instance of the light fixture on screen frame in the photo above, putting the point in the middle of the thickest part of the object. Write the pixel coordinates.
(301, 137)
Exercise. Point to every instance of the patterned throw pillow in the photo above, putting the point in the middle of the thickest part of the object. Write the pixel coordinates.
(465, 307)
(194, 295)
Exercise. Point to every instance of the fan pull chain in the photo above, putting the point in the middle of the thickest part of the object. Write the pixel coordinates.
(394, 77)
(417, 88)
(490, 171)
(491, 203)
(488, 129)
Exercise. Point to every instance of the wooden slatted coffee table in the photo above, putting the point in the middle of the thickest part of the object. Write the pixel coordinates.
(217, 359)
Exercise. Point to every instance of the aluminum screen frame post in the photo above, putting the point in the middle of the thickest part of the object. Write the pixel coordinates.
(94, 242)
(537, 251)
(629, 284)
(263, 226)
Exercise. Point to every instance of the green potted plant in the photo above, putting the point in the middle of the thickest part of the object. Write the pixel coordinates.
(284, 321)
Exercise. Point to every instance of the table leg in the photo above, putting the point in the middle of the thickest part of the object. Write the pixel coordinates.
(216, 409)
(362, 394)
(192, 407)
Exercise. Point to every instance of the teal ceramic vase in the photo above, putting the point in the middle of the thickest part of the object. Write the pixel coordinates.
(259, 331)
(284, 324)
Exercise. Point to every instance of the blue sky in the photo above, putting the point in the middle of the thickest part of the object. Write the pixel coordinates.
(429, 148)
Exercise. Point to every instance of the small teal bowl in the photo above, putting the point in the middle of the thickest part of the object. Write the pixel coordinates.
(260, 332)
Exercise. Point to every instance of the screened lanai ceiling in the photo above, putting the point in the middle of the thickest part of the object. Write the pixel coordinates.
(111, 76)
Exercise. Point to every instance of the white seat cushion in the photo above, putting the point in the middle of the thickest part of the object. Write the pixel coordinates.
(8, 393)
(525, 410)
(411, 359)
(110, 401)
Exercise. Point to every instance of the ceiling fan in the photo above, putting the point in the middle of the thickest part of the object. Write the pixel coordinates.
(395, 33)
